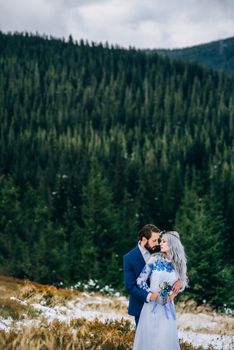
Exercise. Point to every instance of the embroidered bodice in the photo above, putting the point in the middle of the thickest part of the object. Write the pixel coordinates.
(158, 269)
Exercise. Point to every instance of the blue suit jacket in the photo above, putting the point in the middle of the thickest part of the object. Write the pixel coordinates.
(133, 265)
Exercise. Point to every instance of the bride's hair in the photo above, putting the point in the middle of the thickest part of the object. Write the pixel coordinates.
(177, 255)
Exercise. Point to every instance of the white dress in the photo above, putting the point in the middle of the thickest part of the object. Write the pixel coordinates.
(157, 329)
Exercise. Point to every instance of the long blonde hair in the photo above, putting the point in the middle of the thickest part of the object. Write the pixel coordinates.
(177, 255)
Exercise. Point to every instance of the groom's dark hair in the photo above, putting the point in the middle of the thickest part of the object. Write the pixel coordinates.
(147, 230)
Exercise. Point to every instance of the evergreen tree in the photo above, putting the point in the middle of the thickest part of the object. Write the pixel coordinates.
(99, 232)
(201, 232)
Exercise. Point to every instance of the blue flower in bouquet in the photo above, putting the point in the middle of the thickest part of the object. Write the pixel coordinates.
(164, 293)
(165, 290)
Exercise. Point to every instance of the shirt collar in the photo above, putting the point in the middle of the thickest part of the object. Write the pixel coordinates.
(143, 250)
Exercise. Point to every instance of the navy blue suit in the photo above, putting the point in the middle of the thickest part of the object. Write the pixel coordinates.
(133, 265)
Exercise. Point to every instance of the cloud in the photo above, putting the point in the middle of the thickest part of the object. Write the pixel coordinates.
(44, 16)
(143, 24)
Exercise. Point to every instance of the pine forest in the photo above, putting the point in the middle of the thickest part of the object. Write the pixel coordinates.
(97, 141)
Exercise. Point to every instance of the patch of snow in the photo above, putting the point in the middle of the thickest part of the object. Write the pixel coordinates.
(5, 324)
(196, 321)
(22, 302)
(218, 342)
(66, 314)
(123, 300)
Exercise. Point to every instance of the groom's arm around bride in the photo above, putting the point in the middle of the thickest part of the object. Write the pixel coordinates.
(134, 262)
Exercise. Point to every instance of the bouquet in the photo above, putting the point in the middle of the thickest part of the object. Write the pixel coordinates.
(165, 292)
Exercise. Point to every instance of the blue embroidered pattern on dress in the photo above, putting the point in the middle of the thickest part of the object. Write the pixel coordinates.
(144, 275)
(158, 265)
(161, 265)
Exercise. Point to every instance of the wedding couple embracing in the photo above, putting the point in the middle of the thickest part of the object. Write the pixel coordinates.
(154, 273)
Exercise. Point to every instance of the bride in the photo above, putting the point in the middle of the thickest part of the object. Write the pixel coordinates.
(157, 324)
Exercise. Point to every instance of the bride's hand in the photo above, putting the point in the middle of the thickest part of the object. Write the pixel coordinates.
(154, 296)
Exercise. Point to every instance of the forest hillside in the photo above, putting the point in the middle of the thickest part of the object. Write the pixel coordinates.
(218, 55)
(97, 141)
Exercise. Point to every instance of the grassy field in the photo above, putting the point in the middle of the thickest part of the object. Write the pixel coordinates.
(25, 325)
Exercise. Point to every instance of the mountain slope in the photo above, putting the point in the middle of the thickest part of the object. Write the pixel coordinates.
(218, 55)
(97, 141)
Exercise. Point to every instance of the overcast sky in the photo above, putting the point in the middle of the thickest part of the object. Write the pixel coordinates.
(138, 23)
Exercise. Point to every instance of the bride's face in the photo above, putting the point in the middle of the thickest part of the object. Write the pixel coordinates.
(164, 246)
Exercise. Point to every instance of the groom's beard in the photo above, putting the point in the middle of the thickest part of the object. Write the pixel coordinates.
(152, 250)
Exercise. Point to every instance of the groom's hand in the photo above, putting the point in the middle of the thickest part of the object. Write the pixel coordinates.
(177, 286)
(154, 296)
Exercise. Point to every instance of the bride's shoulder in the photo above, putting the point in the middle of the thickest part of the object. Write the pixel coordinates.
(158, 257)
(154, 257)
(151, 260)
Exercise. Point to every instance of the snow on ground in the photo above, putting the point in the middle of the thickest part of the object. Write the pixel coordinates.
(5, 323)
(199, 329)
(219, 342)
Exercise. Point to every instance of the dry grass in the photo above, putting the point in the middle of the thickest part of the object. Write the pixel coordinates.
(188, 305)
(30, 292)
(9, 286)
(80, 334)
(221, 323)
(17, 311)
(35, 293)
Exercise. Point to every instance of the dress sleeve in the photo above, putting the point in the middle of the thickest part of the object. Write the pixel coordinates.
(145, 274)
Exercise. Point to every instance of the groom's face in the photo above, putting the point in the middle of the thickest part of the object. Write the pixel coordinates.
(152, 243)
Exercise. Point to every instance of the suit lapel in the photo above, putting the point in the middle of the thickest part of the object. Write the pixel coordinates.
(140, 260)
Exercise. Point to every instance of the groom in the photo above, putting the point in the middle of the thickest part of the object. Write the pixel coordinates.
(134, 262)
